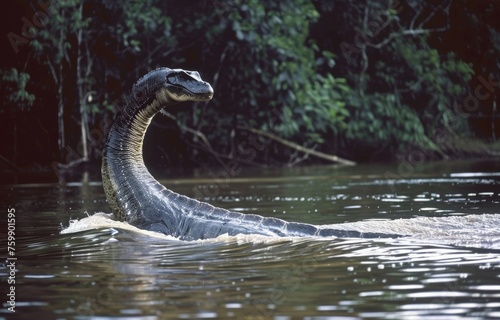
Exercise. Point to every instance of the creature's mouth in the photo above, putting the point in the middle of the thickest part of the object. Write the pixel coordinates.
(184, 94)
(201, 95)
(206, 96)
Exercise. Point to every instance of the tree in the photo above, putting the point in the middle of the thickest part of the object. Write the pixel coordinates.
(84, 56)
(17, 98)
(266, 78)
(295, 81)
(404, 87)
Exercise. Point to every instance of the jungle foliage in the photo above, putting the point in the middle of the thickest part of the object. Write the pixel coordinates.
(363, 79)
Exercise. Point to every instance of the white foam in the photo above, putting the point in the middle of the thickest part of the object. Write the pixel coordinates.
(470, 230)
(101, 220)
(478, 230)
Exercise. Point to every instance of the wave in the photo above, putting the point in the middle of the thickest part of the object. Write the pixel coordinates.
(478, 230)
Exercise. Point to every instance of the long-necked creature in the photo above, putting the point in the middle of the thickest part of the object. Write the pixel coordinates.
(136, 197)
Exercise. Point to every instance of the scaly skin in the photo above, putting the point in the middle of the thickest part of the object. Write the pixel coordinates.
(136, 197)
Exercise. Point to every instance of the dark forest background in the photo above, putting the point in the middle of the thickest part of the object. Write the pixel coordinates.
(296, 81)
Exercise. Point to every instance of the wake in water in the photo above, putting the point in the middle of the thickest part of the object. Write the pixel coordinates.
(479, 231)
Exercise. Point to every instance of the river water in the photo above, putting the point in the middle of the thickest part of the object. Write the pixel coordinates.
(447, 266)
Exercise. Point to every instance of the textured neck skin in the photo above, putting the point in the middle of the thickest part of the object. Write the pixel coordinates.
(136, 197)
(127, 182)
(131, 191)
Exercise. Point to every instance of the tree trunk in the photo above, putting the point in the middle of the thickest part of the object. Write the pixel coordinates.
(81, 90)
(60, 102)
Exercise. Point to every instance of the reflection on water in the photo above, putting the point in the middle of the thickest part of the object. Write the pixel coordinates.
(448, 268)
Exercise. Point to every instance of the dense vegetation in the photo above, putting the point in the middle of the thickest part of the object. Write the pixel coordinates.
(295, 80)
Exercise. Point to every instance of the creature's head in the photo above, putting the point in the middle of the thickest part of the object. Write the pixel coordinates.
(171, 85)
(182, 85)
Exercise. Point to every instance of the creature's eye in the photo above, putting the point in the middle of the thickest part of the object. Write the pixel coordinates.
(173, 79)
(182, 78)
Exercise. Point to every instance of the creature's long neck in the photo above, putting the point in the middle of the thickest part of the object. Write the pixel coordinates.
(135, 196)
(126, 180)
(129, 128)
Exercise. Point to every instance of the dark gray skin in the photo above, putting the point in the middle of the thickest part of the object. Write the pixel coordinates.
(136, 197)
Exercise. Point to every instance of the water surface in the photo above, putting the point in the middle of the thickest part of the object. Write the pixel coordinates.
(448, 267)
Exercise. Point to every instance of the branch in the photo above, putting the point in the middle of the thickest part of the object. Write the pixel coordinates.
(415, 28)
(297, 147)
(9, 163)
(221, 62)
(444, 8)
(271, 136)
(66, 166)
(410, 32)
(52, 70)
(197, 133)
(415, 17)
(223, 156)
